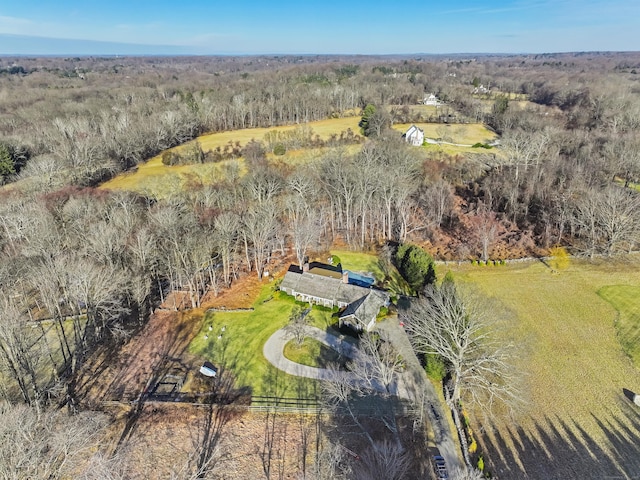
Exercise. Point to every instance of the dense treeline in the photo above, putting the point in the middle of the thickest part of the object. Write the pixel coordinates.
(100, 261)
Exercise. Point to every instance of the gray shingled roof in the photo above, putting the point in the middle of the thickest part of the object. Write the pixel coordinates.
(319, 286)
(366, 308)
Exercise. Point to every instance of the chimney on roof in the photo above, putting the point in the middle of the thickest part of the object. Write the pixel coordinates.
(305, 267)
(345, 276)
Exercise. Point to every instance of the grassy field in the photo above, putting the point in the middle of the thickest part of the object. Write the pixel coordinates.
(391, 280)
(243, 335)
(159, 180)
(466, 134)
(574, 368)
(463, 134)
(239, 347)
(626, 300)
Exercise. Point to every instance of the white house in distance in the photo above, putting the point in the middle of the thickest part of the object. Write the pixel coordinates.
(414, 136)
(431, 100)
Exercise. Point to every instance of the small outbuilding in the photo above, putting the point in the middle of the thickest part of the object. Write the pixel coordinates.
(208, 370)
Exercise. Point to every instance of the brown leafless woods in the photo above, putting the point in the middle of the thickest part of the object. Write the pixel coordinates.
(82, 267)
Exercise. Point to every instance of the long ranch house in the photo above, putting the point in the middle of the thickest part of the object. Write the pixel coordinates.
(360, 305)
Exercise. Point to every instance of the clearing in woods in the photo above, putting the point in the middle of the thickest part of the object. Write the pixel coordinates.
(159, 180)
(576, 421)
(155, 179)
(235, 339)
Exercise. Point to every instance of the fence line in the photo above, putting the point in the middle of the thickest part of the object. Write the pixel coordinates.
(310, 409)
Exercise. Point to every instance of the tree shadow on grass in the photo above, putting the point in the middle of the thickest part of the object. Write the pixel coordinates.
(555, 448)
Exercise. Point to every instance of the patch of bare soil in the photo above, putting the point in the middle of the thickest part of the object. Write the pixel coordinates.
(160, 349)
(244, 291)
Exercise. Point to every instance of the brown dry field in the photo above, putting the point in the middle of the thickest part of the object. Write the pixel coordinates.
(164, 437)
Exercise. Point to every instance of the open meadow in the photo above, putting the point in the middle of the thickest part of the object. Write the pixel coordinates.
(158, 180)
(570, 328)
(462, 133)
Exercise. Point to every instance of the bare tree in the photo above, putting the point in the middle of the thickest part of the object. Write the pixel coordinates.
(226, 228)
(298, 321)
(305, 225)
(377, 363)
(19, 353)
(486, 228)
(466, 473)
(48, 444)
(386, 460)
(608, 221)
(370, 382)
(259, 228)
(459, 326)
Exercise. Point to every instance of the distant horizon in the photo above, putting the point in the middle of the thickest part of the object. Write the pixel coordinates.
(358, 27)
(165, 51)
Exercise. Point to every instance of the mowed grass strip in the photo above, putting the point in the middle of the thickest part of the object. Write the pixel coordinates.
(626, 300)
(574, 366)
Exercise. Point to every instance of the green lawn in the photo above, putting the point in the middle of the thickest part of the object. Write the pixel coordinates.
(245, 332)
(240, 347)
(573, 365)
(390, 280)
(312, 353)
(626, 300)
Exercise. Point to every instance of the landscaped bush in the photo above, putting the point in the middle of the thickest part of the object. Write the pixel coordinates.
(435, 367)
(415, 265)
(481, 145)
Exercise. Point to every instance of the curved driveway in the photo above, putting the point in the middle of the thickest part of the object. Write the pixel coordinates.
(274, 352)
(412, 384)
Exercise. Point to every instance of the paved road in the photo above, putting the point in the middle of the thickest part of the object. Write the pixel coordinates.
(412, 384)
(418, 388)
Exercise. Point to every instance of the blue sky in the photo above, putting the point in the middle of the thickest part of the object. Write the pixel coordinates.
(331, 27)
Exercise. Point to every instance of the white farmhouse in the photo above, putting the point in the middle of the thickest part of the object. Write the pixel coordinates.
(414, 136)
(431, 100)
